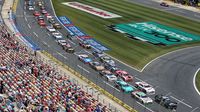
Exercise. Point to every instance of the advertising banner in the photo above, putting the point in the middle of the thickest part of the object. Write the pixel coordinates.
(96, 45)
(156, 33)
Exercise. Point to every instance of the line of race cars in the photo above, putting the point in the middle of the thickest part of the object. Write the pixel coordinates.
(105, 65)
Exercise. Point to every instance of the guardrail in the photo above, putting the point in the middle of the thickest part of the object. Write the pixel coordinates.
(130, 109)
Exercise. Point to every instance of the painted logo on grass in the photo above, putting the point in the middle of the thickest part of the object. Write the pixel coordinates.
(155, 33)
(92, 10)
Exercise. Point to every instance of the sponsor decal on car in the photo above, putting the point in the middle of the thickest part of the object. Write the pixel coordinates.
(155, 33)
(92, 10)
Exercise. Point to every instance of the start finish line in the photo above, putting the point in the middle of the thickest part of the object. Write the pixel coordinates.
(156, 33)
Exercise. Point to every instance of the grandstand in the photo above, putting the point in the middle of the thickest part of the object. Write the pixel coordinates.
(28, 84)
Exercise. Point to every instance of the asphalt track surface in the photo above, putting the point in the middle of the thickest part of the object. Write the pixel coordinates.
(171, 75)
(171, 9)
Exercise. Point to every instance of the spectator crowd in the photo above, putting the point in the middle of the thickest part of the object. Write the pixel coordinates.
(28, 84)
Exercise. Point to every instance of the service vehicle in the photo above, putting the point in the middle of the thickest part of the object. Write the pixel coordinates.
(146, 88)
(142, 97)
(84, 58)
(96, 65)
(85, 44)
(166, 102)
(124, 86)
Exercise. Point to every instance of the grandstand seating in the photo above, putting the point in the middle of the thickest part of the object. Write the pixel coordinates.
(30, 85)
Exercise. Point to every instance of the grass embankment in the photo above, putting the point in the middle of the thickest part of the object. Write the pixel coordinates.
(198, 81)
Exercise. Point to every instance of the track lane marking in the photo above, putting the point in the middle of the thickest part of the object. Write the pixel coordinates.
(111, 86)
(194, 81)
(62, 55)
(181, 101)
(194, 109)
(144, 106)
(29, 26)
(83, 68)
(25, 19)
(35, 34)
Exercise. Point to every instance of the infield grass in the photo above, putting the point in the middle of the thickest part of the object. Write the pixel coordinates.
(198, 81)
(132, 52)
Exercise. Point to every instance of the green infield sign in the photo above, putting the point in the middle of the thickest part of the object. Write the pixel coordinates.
(156, 33)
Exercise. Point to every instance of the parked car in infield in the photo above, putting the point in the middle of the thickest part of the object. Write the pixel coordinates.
(50, 29)
(98, 53)
(96, 65)
(84, 58)
(146, 88)
(85, 44)
(166, 102)
(36, 13)
(105, 72)
(124, 75)
(110, 77)
(124, 86)
(142, 97)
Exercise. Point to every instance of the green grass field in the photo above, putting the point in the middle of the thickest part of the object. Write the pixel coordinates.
(198, 81)
(132, 52)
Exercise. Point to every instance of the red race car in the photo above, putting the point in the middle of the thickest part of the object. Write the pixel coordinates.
(124, 75)
(36, 13)
(41, 23)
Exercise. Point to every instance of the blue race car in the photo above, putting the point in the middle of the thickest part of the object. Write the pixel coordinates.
(125, 87)
(84, 58)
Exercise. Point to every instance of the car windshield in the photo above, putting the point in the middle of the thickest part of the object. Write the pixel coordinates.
(147, 86)
(143, 96)
(125, 85)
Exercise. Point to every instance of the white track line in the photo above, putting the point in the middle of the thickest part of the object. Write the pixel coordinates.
(25, 19)
(194, 81)
(83, 68)
(194, 109)
(29, 26)
(62, 55)
(111, 86)
(144, 106)
(181, 101)
(35, 34)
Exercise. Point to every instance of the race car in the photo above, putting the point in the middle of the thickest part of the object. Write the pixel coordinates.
(124, 75)
(31, 8)
(41, 23)
(40, 3)
(36, 13)
(166, 102)
(51, 20)
(146, 88)
(98, 53)
(85, 44)
(104, 72)
(43, 11)
(42, 7)
(68, 48)
(40, 18)
(84, 58)
(111, 67)
(57, 35)
(96, 66)
(125, 87)
(107, 60)
(164, 4)
(142, 97)
(50, 29)
(62, 42)
(110, 77)
(57, 26)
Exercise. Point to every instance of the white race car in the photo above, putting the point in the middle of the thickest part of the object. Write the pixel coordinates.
(31, 8)
(62, 42)
(57, 35)
(51, 29)
(142, 97)
(111, 77)
(146, 88)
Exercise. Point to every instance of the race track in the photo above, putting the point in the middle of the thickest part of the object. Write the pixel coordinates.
(171, 75)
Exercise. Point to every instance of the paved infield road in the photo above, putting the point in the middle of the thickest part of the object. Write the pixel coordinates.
(171, 9)
(170, 75)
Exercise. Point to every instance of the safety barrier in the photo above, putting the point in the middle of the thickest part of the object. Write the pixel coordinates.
(130, 109)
